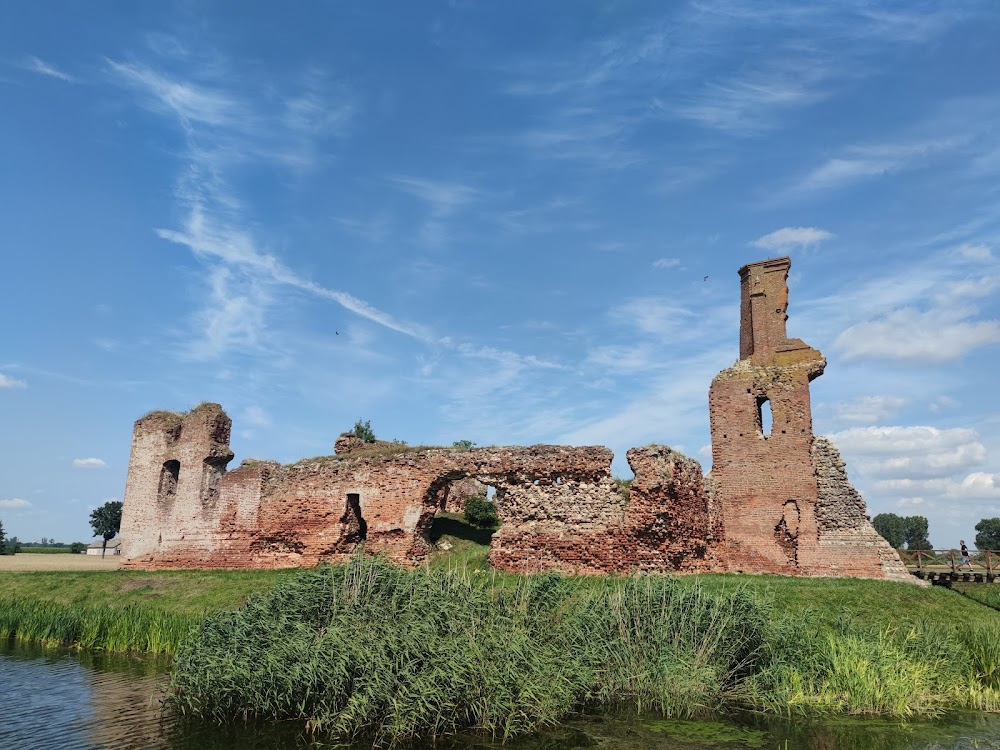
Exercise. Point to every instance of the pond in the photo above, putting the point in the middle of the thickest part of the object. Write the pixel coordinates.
(58, 699)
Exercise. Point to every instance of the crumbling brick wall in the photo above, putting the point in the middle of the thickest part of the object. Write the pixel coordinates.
(777, 500)
(767, 484)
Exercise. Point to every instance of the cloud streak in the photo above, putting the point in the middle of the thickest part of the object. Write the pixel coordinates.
(37, 65)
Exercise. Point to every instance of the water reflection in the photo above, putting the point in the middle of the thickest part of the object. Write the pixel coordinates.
(55, 699)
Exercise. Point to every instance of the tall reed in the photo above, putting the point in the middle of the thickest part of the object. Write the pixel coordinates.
(106, 628)
(366, 647)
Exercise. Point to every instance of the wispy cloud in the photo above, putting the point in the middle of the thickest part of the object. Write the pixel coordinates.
(869, 408)
(664, 263)
(14, 503)
(37, 65)
(9, 382)
(792, 238)
(89, 463)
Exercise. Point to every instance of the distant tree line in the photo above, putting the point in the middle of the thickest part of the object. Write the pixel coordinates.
(910, 532)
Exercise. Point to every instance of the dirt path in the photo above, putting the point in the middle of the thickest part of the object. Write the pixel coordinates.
(57, 561)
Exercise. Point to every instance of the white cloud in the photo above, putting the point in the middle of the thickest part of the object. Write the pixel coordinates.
(909, 453)
(792, 238)
(934, 335)
(944, 402)
(37, 65)
(666, 263)
(189, 102)
(89, 463)
(653, 315)
(8, 382)
(15, 503)
(869, 408)
(976, 252)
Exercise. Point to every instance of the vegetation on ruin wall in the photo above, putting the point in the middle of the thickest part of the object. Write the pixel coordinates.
(366, 647)
(121, 611)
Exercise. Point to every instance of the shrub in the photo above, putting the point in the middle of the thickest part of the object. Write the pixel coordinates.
(363, 430)
(481, 512)
(77, 548)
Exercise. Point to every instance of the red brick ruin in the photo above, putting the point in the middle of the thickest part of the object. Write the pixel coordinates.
(776, 501)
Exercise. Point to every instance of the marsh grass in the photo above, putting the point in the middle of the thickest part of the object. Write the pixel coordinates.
(103, 628)
(366, 647)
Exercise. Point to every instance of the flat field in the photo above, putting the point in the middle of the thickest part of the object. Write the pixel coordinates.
(39, 561)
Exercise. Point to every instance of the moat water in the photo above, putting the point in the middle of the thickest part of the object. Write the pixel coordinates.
(57, 699)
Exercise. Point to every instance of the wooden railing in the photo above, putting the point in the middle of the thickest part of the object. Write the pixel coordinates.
(944, 564)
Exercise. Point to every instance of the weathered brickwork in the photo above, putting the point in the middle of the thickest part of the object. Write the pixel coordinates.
(780, 497)
(777, 499)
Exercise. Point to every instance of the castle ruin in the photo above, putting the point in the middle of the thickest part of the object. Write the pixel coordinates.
(777, 499)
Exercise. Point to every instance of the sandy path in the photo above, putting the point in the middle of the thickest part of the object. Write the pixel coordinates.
(57, 561)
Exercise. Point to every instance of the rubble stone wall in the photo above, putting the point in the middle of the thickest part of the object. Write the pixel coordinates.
(777, 499)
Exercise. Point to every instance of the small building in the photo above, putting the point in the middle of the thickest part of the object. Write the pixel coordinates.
(97, 548)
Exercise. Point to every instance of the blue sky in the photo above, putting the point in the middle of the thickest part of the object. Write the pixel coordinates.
(502, 222)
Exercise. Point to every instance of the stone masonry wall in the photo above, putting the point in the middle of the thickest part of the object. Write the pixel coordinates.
(777, 500)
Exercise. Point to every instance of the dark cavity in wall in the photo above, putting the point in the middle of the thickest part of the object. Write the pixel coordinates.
(214, 469)
(355, 526)
(169, 475)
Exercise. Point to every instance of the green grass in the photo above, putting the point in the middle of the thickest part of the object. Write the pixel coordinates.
(366, 647)
(122, 611)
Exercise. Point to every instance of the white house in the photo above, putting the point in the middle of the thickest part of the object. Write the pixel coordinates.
(114, 547)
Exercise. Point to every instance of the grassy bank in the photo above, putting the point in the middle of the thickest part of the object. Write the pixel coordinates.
(121, 610)
(367, 647)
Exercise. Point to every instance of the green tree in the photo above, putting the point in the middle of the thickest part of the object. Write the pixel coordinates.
(106, 521)
(3, 540)
(77, 547)
(892, 527)
(481, 512)
(915, 531)
(364, 431)
(463, 445)
(988, 534)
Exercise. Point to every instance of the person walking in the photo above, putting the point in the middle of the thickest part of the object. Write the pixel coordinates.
(965, 555)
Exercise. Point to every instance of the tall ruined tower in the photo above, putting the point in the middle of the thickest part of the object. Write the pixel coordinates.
(762, 471)
(781, 501)
(175, 467)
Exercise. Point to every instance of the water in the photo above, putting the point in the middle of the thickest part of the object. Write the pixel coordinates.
(56, 699)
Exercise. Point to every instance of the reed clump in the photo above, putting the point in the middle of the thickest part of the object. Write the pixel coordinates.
(132, 628)
(368, 648)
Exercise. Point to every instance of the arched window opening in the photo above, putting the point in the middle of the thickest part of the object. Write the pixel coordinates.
(765, 420)
(169, 476)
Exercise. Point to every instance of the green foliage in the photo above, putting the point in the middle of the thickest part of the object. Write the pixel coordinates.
(481, 512)
(363, 431)
(3, 538)
(891, 527)
(988, 534)
(105, 628)
(367, 647)
(11, 547)
(36, 549)
(623, 487)
(916, 532)
(106, 521)
(77, 547)
(910, 531)
(464, 445)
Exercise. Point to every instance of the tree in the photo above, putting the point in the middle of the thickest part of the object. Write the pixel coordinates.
(915, 528)
(3, 541)
(910, 531)
(106, 521)
(988, 534)
(464, 445)
(363, 430)
(77, 547)
(481, 512)
(892, 527)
